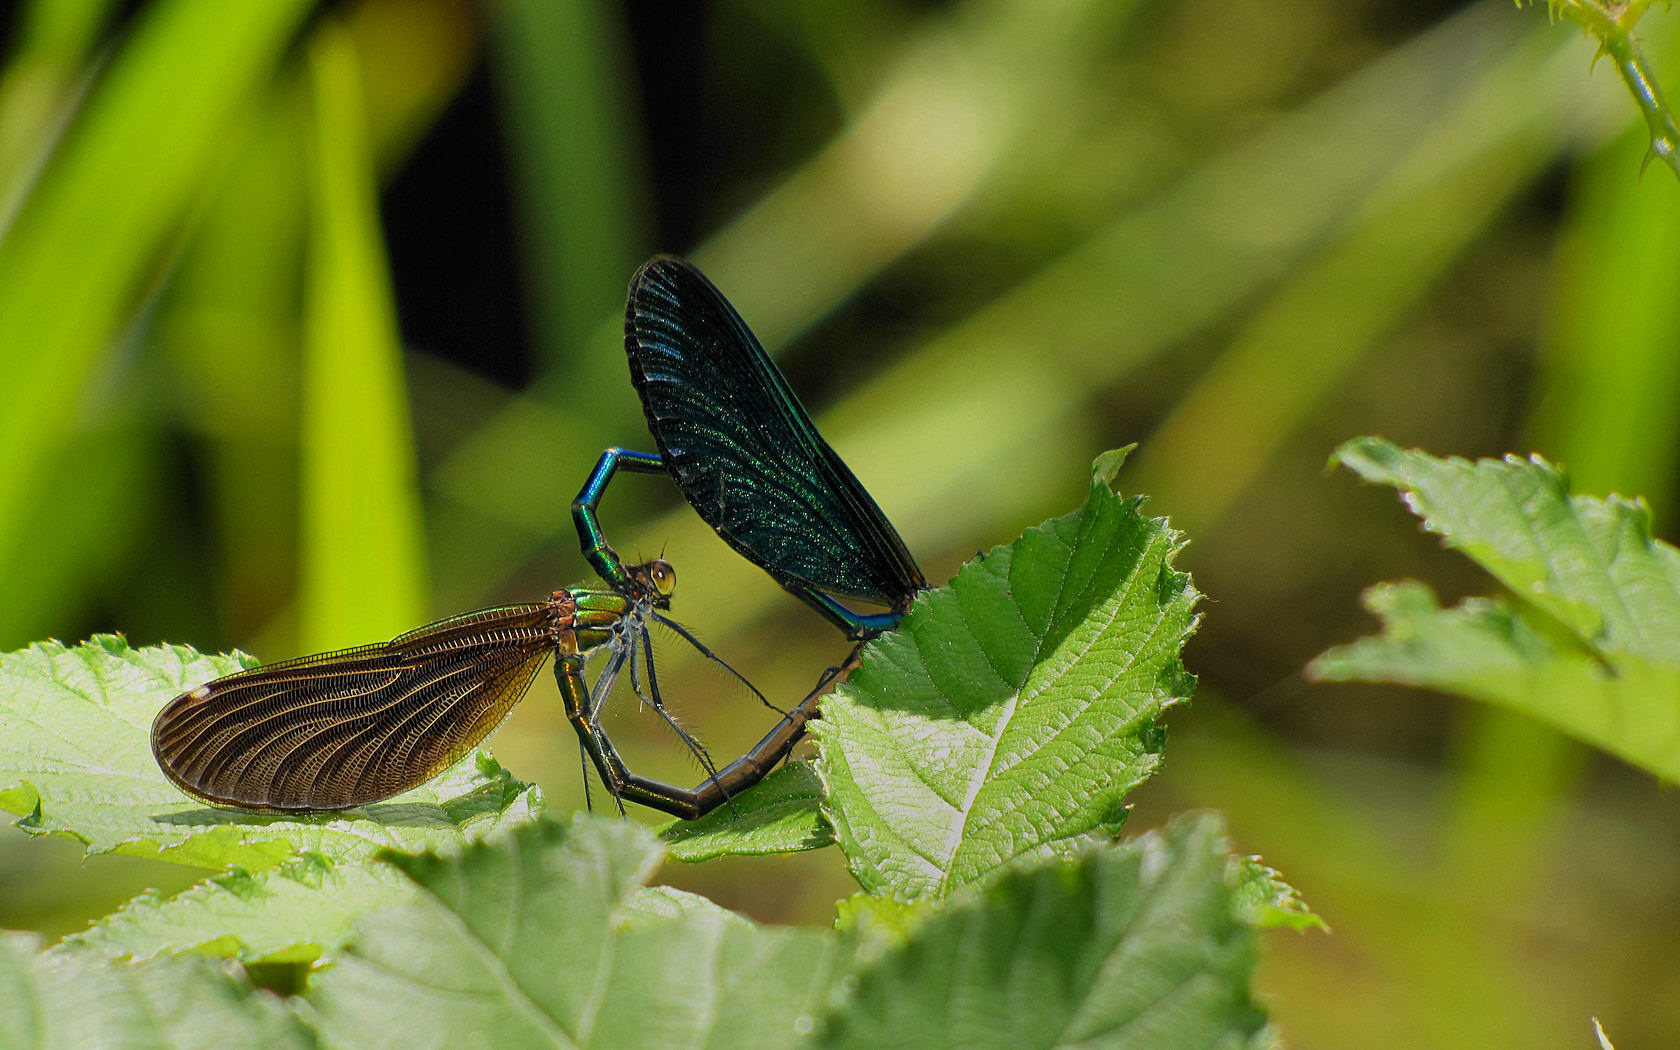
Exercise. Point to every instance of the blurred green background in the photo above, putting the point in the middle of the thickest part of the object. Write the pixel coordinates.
(309, 333)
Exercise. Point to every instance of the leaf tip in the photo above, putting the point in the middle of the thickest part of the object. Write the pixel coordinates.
(1106, 467)
(1359, 452)
(1264, 901)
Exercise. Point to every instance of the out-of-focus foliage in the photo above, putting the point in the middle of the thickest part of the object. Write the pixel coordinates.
(58, 1003)
(1589, 640)
(361, 542)
(998, 237)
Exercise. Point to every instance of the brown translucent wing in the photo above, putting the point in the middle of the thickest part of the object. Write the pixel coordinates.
(351, 727)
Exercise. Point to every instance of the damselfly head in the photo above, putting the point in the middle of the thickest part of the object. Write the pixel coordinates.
(652, 582)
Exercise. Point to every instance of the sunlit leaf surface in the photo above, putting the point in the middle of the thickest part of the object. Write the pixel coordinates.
(1014, 709)
(52, 1002)
(781, 814)
(298, 912)
(1137, 945)
(542, 937)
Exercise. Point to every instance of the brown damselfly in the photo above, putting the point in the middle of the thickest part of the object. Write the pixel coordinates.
(356, 726)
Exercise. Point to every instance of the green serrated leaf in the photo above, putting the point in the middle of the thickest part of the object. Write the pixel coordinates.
(1486, 650)
(299, 913)
(1591, 643)
(76, 760)
(545, 937)
(780, 814)
(1590, 563)
(666, 902)
(1266, 902)
(1012, 711)
(1106, 467)
(874, 925)
(75, 1002)
(1136, 945)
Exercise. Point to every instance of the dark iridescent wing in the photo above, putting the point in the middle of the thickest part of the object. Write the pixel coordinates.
(351, 727)
(740, 446)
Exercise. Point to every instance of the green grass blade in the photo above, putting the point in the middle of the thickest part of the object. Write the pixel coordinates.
(229, 323)
(1610, 372)
(562, 71)
(62, 30)
(363, 563)
(75, 263)
(71, 549)
(38, 88)
(228, 331)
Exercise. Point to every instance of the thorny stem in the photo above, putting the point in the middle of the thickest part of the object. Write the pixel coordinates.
(1612, 22)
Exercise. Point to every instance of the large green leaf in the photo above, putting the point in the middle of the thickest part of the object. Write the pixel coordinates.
(1138, 945)
(296, 913)
(302, 911)
(1590, 640)
(76, 760)
(542, 938)
(1013, 710)
(49, 1002)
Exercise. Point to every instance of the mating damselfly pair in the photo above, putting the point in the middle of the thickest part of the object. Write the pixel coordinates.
(352, 727)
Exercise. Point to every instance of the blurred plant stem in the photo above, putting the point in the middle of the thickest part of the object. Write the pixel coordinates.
(571, 131)
(363, 559)
(39, 89)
